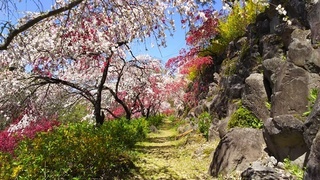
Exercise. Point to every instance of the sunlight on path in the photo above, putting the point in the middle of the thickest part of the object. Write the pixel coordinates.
(164, 156)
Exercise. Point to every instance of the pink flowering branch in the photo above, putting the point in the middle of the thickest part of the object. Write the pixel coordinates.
(32, 22)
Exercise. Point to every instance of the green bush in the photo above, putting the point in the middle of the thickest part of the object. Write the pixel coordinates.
(204, 124)
(172, 118)
(5, 165)
(75, 150)
(127, 133)
(244, 118)
(155, 120)
(234, 24)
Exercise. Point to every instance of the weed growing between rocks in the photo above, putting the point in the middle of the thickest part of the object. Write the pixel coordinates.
(204, 124)
(294, 169)
(244, 118)
(313, 95)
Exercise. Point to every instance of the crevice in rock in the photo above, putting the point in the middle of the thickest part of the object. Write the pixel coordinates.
(267, 86)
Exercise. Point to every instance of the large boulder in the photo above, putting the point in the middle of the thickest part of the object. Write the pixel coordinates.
(313, 165)
(312, 124)
(255, 97)
(301, 52)
(284, 137)
(236, 150)
(290, 91)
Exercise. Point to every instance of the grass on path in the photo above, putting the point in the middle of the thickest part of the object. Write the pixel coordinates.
(166, 155)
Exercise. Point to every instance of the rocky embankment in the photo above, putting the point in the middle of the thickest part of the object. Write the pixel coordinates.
(273, 71)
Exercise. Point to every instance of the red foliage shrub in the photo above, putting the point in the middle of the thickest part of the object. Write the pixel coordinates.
(11, 136)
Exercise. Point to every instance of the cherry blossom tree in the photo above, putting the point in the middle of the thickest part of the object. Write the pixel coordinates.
(193, 61)
(83, 47)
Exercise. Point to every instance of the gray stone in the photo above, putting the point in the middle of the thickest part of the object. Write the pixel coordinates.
(314, 21)
(237, 150)
(301, 52)
(200, 109)
(223, 127)
(314, 81)
(300, 35)
(255, 97)
(234, 85)
(263, 173)
(184, 128)
(271, 46)
(213, 90)
(284, 137)
(153, 129)
(290, 91)
(272, 161)
(300, 161)
(270, 67)
(213, 133)
(313, 165)
(313, 65)
(260, 172)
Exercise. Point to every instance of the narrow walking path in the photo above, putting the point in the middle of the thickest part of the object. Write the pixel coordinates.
(168, 155)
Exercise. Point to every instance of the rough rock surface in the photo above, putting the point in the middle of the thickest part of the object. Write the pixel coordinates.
(314, 21)
(213, 133)
(271, 46)
(313, 165)
(284, 137)
(265, 171)
(236, 154)
(291, 91)
(301, 52)
(255, 97)
(270, 67)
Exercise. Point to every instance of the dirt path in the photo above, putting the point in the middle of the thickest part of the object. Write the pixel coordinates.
(166, 155)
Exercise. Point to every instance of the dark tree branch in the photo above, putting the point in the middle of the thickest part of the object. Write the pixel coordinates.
(122, 103)
(83, 92)
(112, 114)
(34, 21)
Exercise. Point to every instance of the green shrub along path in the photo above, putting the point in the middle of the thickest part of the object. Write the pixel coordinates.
(165, 154)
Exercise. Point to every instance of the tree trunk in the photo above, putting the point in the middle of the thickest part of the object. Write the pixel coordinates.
(99, 115)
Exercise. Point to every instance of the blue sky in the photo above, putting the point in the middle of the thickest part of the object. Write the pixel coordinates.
(174, 43)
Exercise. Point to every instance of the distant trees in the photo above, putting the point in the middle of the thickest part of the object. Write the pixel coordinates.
(82, 48)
